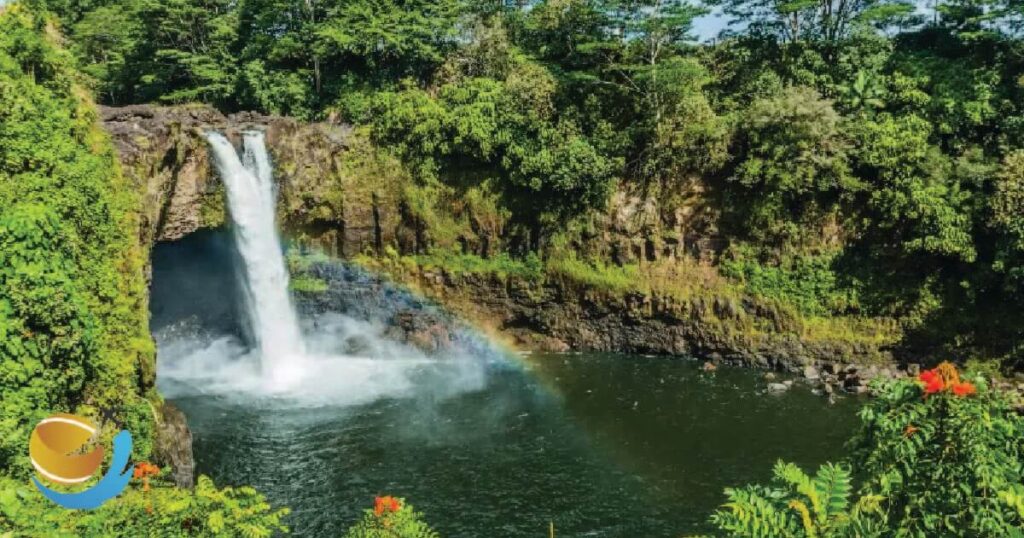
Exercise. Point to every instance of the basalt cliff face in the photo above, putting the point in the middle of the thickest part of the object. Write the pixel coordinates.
(340, 193)
(164, 151)
(347, 198)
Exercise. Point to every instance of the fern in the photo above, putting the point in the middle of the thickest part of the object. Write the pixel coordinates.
(798, 506)
(833, 484)
(752, 512)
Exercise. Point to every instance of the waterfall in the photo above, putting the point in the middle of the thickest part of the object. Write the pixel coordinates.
(268, 307)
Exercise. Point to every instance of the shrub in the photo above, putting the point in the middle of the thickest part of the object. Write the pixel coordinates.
(159, 511)
(308, 284)
(940, 450)
(391, 517)
(598, 274)
(806, 282)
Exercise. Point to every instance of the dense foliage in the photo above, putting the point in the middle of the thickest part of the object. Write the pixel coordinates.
(73, 319)
(163, 511)
(937, 456)
(73, 316)
(940, 452)
(860, 158)
(800, 505)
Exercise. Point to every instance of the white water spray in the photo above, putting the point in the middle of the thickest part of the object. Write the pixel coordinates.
(271, 315)
(318, 369)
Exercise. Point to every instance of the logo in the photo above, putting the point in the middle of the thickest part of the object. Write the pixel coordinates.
(53, 449)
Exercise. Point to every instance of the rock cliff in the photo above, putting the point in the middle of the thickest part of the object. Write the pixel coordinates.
(342, 194)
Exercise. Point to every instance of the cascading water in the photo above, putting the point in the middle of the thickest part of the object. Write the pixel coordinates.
(315, 366)
(269, 310)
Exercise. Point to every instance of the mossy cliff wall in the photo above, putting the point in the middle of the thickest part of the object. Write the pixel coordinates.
(348, 197)
(344, 196)
(561, 312)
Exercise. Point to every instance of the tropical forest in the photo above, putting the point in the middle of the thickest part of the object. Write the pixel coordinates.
(512, 268)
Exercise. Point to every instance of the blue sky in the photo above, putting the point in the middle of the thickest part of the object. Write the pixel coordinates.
(704, 27)
(708, 26)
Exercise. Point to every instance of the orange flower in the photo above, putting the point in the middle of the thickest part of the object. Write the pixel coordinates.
(385, 504)
(964, 389)
(144, 470)
(948, 372)
(910, 430)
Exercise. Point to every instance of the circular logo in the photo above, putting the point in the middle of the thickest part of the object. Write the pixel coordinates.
(53, 445)
(57, 449)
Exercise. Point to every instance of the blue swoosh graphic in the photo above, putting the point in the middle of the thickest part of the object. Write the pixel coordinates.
(109, 486)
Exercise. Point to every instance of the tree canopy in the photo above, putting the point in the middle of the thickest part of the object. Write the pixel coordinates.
(866, 132)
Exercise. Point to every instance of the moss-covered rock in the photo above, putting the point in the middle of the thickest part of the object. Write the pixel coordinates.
(559, 310)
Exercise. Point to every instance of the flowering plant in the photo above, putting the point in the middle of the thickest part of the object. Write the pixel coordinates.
(945, 377)
(940, 449)
(939, 456)
(391, 517)
(144, 470)
(386, 504)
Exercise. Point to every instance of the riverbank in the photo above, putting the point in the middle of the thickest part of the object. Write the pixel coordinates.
(540, 310)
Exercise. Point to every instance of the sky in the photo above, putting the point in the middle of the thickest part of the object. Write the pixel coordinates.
(704, 28)
(708, 26)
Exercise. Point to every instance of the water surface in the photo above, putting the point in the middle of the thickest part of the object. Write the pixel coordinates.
(602, 445)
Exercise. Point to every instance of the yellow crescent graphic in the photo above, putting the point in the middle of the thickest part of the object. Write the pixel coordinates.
(52, 444)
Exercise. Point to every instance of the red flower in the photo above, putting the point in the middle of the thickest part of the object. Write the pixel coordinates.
(932, 381)
(964, 389)
(385, 504)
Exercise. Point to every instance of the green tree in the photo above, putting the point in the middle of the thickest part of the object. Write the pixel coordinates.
(792, 163)
(830, 21)
(507, 129)
(186, 54)
(915, 201)
(282, 70)
(400, 37)
(104, 40)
